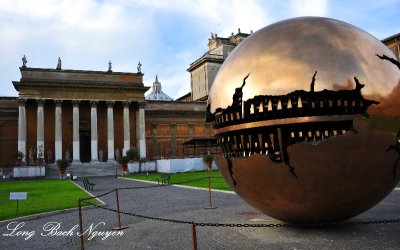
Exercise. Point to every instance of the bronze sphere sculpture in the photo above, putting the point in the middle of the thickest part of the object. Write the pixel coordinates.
(307, 114)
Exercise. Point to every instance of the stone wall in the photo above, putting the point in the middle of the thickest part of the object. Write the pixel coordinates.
(182, 165)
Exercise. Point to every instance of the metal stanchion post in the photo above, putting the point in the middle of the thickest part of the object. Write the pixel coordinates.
(209, 195)
(17, 210)
(194, 237)
(80, 224)
(118, 213)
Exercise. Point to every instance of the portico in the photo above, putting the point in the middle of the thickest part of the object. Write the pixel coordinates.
(86, 116)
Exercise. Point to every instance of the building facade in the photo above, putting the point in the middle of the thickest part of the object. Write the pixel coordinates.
(170, 124)
(93, 116)
(393, 43)
(8, 129)
(84, 116)
(203, 70)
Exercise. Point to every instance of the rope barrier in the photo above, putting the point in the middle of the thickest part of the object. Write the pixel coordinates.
(100, 195)
(153, 186)
(189, 181)
(271, 225)
(85, 200)
(202, 224)
(139, 215)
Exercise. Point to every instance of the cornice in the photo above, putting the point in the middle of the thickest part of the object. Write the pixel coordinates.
(205, 58)
(80, 71)
(19, 85)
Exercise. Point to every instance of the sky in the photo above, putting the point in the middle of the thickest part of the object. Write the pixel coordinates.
(164, 35)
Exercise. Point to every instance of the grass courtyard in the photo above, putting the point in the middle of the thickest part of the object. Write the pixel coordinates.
(42, 196)
(217, 182)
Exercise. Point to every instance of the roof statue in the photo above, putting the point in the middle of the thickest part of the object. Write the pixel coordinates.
(157, 94)
(58, 64)
(109, 66)
(24, 61)
(139, 67)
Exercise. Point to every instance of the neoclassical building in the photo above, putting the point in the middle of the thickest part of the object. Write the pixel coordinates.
(78, 114)
(92, 116)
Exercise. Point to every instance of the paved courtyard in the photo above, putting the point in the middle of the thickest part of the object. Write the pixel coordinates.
(187, 204)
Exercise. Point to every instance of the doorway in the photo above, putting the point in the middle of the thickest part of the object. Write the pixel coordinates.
(85, 145)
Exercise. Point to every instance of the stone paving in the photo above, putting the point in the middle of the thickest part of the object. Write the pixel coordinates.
(189, 204)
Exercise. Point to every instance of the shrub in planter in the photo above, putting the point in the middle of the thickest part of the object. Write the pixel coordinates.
(62, 165)
(18, 157)
(132, 154)
(40, 155)
(123, 164)
(208, 159)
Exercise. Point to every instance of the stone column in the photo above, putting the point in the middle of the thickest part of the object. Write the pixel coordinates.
(110, 131)
(22, 127)
(140, 131)
(58, 130)
(93, 132)
(40, 129)
(75, 132)
(127, 134)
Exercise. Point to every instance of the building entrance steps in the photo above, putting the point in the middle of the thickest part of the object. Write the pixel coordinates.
(84, 169)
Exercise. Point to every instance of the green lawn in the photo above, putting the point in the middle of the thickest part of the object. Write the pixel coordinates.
(216, 183)
(43, 196)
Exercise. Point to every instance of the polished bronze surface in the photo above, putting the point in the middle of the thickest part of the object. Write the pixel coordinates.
(304, 149)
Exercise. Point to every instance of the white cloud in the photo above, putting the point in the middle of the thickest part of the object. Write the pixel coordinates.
(224, 16)
(86, 34)
(308, 7)
(246, 15)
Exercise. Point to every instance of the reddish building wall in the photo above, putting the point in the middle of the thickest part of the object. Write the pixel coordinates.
(170, 124)
(8, 130)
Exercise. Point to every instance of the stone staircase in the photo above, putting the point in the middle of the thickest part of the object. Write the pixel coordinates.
(84, 169)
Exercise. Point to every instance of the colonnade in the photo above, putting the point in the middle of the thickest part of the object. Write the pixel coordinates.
(58, 150)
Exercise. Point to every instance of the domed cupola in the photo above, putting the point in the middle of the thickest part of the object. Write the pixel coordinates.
(157, 94)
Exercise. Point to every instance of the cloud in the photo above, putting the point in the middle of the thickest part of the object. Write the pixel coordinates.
(308, 7)
(166, 36)
(86, 34)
